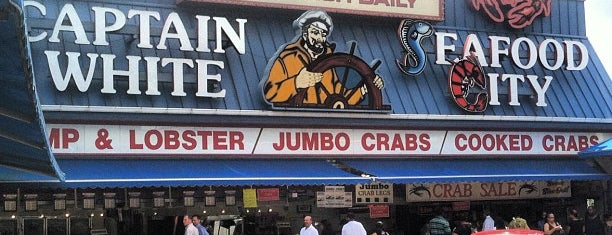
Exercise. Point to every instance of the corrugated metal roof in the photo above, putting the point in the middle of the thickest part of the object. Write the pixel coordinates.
(572, 94)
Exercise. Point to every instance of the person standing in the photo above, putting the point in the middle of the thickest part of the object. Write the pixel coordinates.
(542, 221)
(518, 223)
(353, 227)
(551, 227)
(593, 225)
(575, 225)
(463, 227)
(379, 229)
(308, 228)
(608, 218)
(328, 229)
(489, 223)
(197, 222)
(189, 228)
(110, 222)
(439, 225)
(500, 223)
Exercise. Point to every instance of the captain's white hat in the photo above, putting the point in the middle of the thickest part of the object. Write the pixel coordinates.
(317, 18)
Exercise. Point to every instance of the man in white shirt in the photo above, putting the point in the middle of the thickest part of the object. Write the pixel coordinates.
(353, 227)
(308, 228)
(489, 223)
(189, 228)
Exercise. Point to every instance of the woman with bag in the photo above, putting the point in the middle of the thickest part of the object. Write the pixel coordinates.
(551, 227)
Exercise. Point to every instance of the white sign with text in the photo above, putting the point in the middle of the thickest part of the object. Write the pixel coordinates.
(487, 191)
(130, 140)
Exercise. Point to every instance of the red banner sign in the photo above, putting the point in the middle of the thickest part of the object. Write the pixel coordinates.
(267, 194)
(461, 206)
(379, 211)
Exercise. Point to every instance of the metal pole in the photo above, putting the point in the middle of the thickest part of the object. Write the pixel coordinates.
(170, 196)
(608, 197)
(75, 199)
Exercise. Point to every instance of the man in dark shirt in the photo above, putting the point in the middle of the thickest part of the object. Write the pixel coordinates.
(593, 225)
(575, 225)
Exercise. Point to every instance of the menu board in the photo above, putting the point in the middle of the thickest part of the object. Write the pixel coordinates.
(334, 197)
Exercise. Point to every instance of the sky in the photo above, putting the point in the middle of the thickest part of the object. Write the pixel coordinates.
(598, 21)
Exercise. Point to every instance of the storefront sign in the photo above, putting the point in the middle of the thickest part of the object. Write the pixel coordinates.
(142, 75)
(461, 206)
(487, 191)
(334, 197)
(374, 193)
(267, 194)
(307, 72)
(411, 34)
(128, 140)
(379, 211)
(66, 67)
(473, 88)
(415, 9)
(94, 139)
(517, 14)
(249, 198)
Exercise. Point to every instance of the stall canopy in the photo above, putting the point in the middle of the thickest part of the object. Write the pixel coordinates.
(599, 155)
(83, 173)
(603, 149)
(462, 170)
(23, 145)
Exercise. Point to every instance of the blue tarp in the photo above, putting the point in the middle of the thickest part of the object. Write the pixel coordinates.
(603, 149)
(462, 170)
(83, 173)
(599, 155)
(24, 148)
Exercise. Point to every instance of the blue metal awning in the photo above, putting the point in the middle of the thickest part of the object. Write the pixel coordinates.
(23, 143)
(462, 170)
(83, 173)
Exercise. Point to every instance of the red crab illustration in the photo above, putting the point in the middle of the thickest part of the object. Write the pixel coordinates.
(518, 13)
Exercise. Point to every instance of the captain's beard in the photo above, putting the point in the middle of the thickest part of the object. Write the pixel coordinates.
(317, 48)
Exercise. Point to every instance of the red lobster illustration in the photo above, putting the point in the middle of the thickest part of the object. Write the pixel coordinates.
(519, 13)
(464, 75)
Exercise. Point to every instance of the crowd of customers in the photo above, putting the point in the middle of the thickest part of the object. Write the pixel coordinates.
(591, 224)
